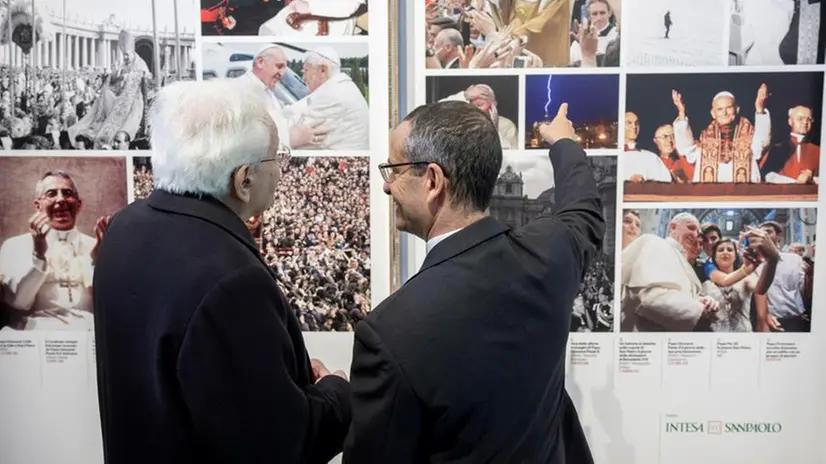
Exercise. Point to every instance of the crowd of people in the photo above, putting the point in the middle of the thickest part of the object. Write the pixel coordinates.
(594, 306)
(522, 34)
(703, 278)
(316, 237)
(45, 105)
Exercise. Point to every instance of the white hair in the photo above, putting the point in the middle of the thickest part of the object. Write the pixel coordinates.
(202, 131)
(723, 94)
(680, 218)
(270, 50)
(316, 59)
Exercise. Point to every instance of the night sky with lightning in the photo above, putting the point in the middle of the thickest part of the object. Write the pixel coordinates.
(590, 98)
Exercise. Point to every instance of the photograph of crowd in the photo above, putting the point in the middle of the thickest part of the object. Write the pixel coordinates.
(675, 32)
(55, 212)
(717, 270)
(741, 136)
(142, 184)
(84, 77)
(320, 94)
(277, 18)
(316, 237)
(522, 33)
(593, 107)
(774, 33)
(496, 95)
(525, 189)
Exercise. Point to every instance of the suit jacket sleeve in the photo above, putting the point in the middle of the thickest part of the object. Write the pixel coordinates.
(237, 372)
(577, 205)
(387, 414)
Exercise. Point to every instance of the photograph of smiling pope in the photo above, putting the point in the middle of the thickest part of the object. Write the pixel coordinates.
(54, 215)
(446, 369)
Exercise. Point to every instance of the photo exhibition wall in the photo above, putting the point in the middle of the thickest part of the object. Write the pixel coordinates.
(701, 119)
(77, 79)
(704, 121)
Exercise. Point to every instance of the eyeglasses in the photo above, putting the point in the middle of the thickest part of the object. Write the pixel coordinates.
(386, 169)
(282, 156)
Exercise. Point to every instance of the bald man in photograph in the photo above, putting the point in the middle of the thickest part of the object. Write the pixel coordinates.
(796, 158)
(447, 47)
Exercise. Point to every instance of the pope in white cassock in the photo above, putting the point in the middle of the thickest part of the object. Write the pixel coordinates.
(341, 17)
(47, 272)
(268, 68)
(334, 102)
(729, 148)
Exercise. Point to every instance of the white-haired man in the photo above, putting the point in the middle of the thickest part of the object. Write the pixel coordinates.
(199, 356)
(268, 68)
(335, 102)
(661, 291)
(448, 48)
(48, 270)
(730, 146)
(483, 97)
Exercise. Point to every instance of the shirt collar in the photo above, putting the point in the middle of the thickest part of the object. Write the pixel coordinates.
(435, 240)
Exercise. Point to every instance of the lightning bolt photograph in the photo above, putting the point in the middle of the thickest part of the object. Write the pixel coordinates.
(594, 108)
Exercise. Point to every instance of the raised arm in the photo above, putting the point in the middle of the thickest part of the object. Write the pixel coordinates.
(577, 204)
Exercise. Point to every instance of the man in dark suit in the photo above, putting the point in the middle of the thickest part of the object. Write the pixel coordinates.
(466, 362)
(200, 359)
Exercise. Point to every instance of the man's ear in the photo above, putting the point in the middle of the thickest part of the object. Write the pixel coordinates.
(241, 186)
(435, 181)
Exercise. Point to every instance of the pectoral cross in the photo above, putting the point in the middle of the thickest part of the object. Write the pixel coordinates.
(67, 284)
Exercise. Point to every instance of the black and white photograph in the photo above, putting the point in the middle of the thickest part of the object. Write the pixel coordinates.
(738, 136)
(55, 212)
(774, 32)
(279, 18)
(316, 237)
(718, 270)
(525, 189)
(464, 34)
(81, 74)
(675, 32)
(320, 93)
(496, 95)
